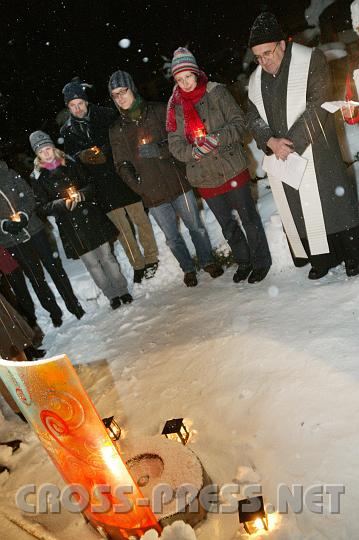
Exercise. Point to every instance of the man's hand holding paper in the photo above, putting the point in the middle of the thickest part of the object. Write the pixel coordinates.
(289, 171)
(280, 147)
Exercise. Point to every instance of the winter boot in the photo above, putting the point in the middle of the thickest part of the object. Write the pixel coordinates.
(213, 269)
(126, 298)
(56, 319)
(190, 279)
(351, 267)
(138, 275)
(258, 274)
(32, 353)
(242, 272)
(150, 270)
(115, 302)
(79, 312)
(317, 273)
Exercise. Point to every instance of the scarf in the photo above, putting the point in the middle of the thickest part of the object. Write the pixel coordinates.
(53, 165)
(193, 124)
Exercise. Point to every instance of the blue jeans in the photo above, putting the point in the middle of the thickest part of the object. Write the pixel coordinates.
(251, 248)
(105, 271)
(185, 206)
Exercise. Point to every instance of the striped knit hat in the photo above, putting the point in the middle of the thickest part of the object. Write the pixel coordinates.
(121, 79)
(183, 60)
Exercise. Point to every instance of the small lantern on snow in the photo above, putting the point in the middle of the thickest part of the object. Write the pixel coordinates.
(176, 430)
(112, 427)
(252, 515)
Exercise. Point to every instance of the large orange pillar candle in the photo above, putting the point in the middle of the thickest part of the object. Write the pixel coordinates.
(51, 396)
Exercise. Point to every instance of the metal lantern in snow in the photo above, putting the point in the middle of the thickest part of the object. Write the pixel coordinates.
(252, 515)
(176, 430)
(113, 429)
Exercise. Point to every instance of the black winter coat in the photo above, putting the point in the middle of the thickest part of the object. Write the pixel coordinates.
(86, 227)
(80, 135)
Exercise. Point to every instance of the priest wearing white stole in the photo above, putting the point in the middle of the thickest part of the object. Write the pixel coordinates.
(286, 91)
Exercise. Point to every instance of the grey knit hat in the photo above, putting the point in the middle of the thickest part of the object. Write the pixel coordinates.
(121, 79)
(39, 139)
(74, 90)
(265, 29)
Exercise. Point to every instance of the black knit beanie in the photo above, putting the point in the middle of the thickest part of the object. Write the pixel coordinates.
(265, 29)
(74, 90)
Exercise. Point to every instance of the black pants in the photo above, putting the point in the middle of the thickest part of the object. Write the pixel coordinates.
(17, 294)
(343, 246)
(251, 247)
(30, 255)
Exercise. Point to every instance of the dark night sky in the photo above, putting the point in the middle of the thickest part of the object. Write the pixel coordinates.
(46, 43)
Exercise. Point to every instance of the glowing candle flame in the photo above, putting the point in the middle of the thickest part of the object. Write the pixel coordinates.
(71, 192)
(96, 150)
(199, 132)
(259, 525)
(16, 217)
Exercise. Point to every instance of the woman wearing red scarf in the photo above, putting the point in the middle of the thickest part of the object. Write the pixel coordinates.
(206, 129)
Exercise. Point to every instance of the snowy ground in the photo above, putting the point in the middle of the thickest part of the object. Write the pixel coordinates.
(267, 374)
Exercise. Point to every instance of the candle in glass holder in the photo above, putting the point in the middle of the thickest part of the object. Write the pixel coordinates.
(199, 132)
(95, 149)
(144, 140)
(71, 192)
(15, 217)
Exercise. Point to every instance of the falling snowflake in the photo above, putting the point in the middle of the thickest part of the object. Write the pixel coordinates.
(339, 191)
(273, 291)
(124, 43)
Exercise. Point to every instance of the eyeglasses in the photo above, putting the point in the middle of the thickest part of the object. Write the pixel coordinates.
(267, 55)
(121, 92)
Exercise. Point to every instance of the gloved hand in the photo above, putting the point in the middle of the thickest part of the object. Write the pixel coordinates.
(149, 150)
(75, 199)
(204, 145)
(23, 219)
(12, 227)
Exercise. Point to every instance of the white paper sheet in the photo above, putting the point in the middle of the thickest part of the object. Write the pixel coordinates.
(289, 171)
(334, 106)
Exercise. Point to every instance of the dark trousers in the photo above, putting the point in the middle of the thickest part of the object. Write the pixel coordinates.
(30, 255)
(251, 247)
(19, 296)
(343, 246)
